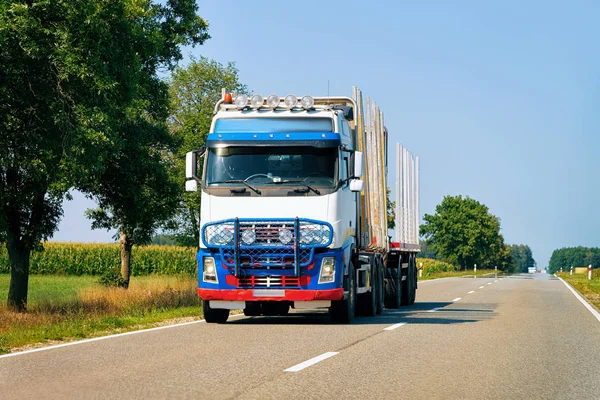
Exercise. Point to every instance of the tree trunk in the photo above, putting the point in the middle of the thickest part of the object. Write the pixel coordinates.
(18, 255)
(126, 245)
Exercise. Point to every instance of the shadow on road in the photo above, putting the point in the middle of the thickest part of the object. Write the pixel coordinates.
(418, 313)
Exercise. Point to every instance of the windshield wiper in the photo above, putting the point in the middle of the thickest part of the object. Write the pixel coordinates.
(255, 190)
(306, 185)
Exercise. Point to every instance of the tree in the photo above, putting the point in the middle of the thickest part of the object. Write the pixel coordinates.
(391, 209)
(194, 91)
(522, 257)
(136, 195)
(463, 231)
(574, 257)
(72, 72)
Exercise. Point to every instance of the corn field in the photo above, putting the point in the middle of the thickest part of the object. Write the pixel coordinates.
(97, 259)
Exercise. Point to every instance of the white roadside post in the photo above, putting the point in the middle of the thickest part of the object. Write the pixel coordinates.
(420, 270)
(571, 271)
(496, 271)
(561, 270)
(475, 269)
(590, 272)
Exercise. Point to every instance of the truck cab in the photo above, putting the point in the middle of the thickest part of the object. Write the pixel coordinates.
(278, 218)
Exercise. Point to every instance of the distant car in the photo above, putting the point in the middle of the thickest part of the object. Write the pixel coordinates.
(531, 270)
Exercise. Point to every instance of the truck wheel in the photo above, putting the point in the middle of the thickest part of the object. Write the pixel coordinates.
(409, 285)
(252, 309)
(393, 287)
(367, 302)
(379, 286)
(413, 292)
(275, 308)
(342, 311)
(214, 315)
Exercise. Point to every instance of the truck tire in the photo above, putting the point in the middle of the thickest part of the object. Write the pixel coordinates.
(342, 311)
(252, 309)
(413, 292)
(379, 285)
(393, 287)
(214, 315)
(409, 286)
(367, 302)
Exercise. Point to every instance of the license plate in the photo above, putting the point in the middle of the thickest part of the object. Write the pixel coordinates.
(268, 293)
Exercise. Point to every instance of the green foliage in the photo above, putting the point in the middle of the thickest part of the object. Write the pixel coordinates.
(390, 209)
(426, 250)
(568, 257)
(463, 232)
(522, 257)
(165, 240)
(77, 77)
(432, 267)
(194, 91)
(112, 278)
(99, 259)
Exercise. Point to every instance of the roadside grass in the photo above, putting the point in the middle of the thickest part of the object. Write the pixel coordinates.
(62, 308)
(481, 273)
(590, 289)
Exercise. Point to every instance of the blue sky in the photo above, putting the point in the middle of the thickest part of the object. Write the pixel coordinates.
(499, 99)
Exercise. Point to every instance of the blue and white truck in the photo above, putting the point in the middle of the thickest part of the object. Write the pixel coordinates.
(293, 209)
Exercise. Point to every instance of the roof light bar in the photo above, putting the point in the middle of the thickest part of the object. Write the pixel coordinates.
(257, 101)
(307, 102)
(290, 101)
(273, 101)
(241, 101)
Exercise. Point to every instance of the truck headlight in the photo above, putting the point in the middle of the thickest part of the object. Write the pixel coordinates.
(248, 236)
(209, 270)
(327, 270)
(285, 236)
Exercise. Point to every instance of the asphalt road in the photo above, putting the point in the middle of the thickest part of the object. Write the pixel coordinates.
(524, 337)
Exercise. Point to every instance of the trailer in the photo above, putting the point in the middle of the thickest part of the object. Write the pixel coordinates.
(294, 209)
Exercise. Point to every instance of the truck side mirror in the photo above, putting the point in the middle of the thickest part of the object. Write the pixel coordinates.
(191, 165)
(358, 164)
(191, 169)
(356, 185)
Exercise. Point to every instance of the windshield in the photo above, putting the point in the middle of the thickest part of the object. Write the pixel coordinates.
(265, 165)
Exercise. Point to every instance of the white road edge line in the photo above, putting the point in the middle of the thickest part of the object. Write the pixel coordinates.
(391, 328)
(96, 339)
(472, 291)
(582, 300)
(312, 361)
(456, 299)
(434, 309)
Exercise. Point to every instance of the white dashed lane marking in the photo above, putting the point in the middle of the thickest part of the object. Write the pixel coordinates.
(312, 361)
(391, 328)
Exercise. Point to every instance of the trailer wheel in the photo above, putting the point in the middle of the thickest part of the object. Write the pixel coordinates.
(410, 284)
(393, 287)
(379, 285)
(214, 315)
(367, 302)
(342, 311)
(413, 292)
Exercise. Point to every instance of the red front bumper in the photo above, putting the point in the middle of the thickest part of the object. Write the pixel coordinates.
(290, 295)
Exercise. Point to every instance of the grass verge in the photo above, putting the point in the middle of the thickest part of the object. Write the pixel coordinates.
(481, 273)
(590, 289)
(66, 308)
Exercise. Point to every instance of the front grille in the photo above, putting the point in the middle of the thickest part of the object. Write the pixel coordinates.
(273, 281)
(269, 244)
